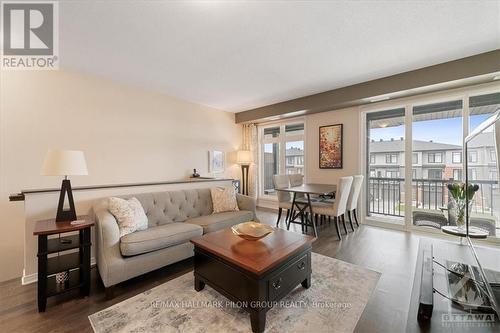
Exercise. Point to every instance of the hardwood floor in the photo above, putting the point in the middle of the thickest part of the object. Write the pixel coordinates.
(393, 253)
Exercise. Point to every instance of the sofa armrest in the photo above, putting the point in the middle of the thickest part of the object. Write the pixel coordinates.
(108, 255)
(247, 203)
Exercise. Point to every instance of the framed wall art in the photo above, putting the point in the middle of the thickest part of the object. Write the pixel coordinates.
(330, 147)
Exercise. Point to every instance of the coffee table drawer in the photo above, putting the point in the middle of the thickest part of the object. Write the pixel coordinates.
(289, 277)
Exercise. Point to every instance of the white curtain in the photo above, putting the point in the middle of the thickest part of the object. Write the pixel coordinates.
(251, 142)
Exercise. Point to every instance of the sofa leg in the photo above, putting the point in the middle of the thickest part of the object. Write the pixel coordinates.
(110, 292)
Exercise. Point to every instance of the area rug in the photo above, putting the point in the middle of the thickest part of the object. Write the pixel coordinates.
(338, 294)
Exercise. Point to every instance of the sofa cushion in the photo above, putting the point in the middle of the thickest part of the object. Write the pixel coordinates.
(174, 206)
(129, 214)
(220, 221)
(224, 199)
(156, 238)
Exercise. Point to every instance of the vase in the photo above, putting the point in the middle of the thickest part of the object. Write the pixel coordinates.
(457, 212)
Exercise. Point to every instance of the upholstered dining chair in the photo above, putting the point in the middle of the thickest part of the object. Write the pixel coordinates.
(338, 208)
(352, 201)
(284, 198)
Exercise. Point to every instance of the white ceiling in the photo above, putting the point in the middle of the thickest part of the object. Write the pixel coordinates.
(237, 56)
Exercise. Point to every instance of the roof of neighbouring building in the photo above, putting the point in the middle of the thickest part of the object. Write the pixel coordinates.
(397, 145)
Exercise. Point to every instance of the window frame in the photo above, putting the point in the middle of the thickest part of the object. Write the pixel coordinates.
(435, 178)
(281, 140)
(453, 154)
(470, 154)
(391, 155)
(434, 154)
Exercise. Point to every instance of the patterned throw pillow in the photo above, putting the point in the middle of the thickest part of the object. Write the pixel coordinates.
(224, 199)
(129, 214)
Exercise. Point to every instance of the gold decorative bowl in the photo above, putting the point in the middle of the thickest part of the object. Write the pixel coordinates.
(252, 230)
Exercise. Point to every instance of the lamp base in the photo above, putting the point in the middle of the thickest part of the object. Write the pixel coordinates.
(244, 178)
(70, 214)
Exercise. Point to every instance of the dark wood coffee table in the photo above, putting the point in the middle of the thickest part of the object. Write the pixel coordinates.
(253, 273)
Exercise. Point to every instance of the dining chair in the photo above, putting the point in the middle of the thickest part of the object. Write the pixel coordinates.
(352, 201)
(298, 180)
(284, 198)
(336, 209)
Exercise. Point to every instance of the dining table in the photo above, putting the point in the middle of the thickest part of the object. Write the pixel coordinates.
(301, 207)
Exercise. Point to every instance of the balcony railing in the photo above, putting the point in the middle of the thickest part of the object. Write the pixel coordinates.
(386, 196)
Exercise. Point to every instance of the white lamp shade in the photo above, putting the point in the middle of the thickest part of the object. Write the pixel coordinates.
(64, 163)
(244, 157)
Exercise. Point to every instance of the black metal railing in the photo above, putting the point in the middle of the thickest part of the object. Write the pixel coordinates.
(387, 195)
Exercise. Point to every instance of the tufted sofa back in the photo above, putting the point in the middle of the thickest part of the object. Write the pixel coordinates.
(174, 206)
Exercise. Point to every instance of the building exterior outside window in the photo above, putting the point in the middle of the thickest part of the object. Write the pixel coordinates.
(435, 157)
(391, 158)
(456, 157)
(473, 156)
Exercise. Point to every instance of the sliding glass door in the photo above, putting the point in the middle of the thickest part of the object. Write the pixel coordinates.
(386, 165)
(407, 181)
(437, 136)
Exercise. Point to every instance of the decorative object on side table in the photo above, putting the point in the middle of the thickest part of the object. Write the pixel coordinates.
(330, 146)
(195, 174)
(460, 196)
(252, 230)
(244, 158)
(66, 271)
(65, 163)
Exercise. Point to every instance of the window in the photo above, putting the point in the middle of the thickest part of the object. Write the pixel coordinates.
(382, 127)
(391, 158)
(295, 157)
(392, 174)
(473, 174)
(456, 157)
(414, 158)
(435, 174)
(436, 129)
(473, 156)
(435, 157)
(270, 161)
(271, 132)
(282, 152)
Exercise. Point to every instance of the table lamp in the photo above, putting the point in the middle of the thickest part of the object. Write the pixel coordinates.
(244, 158)
(65, 163)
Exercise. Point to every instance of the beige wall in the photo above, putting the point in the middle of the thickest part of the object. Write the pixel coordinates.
(350, 118)
(128, 135)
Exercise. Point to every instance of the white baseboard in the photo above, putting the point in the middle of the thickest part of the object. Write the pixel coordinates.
(32, 278)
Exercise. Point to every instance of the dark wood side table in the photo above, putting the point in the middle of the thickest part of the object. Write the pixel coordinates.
(77, 263)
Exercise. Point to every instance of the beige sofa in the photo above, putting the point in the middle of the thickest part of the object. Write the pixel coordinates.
(173, 219)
